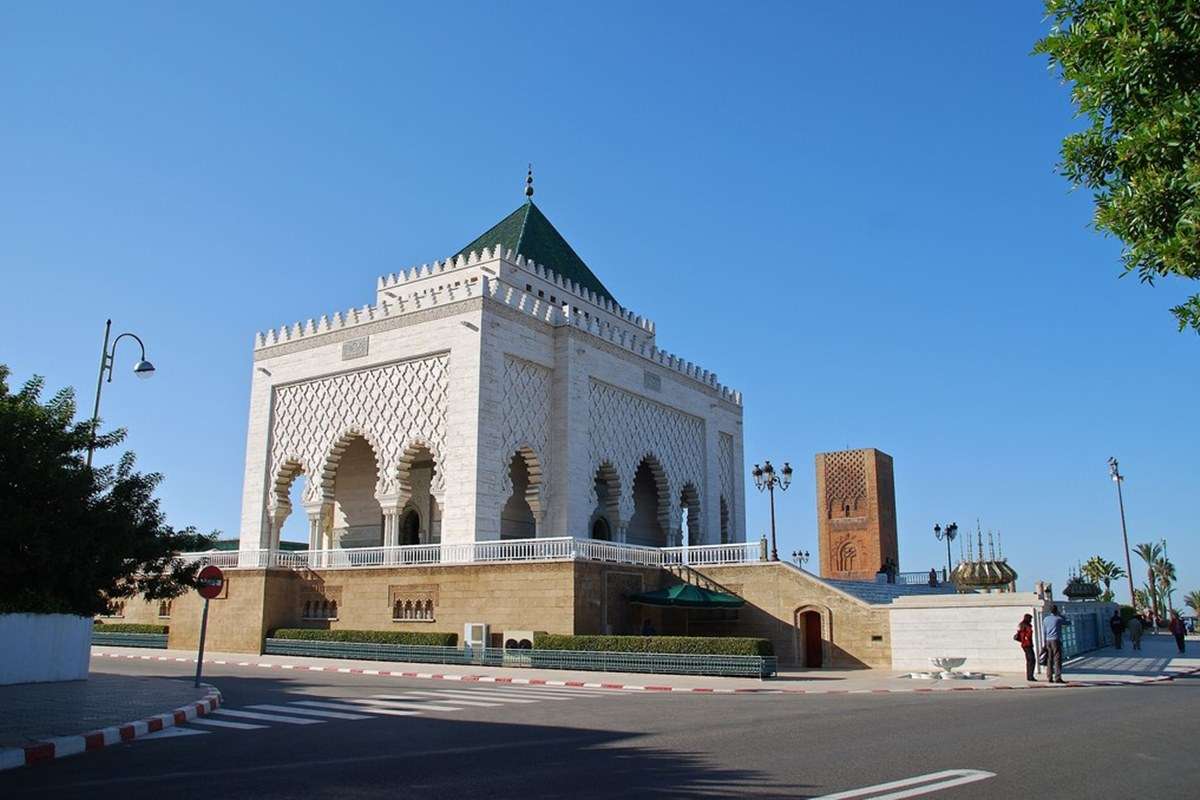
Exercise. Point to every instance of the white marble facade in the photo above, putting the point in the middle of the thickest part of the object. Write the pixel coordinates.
(484, 398)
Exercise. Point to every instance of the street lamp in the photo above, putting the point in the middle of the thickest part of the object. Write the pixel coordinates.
(1115, 473)
(765, 478)
(143, 369)
(800, 557)
(948, 533)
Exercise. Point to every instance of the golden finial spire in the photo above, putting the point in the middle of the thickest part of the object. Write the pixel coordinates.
(529, 183)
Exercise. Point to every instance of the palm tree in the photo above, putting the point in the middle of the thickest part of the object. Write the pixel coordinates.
(1141, 600)
(1099, 570)
(1150, 552)
(1192, 599)
(1164, 571)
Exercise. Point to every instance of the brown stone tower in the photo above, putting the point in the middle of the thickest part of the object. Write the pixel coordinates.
(856, 513)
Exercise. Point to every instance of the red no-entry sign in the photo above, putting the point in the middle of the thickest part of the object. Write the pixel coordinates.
(210, 582)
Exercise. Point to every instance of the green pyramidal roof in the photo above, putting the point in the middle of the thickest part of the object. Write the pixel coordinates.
(527, 232)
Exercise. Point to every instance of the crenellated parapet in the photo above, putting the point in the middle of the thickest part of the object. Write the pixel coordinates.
(627, 331)
(450, 268)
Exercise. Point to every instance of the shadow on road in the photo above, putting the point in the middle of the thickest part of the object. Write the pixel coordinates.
(432, 756)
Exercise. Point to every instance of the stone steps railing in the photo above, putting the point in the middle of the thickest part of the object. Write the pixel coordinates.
(563, 548)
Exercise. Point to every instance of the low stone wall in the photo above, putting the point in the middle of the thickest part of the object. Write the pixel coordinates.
(44, 647)
(978, 627)
(853, 633)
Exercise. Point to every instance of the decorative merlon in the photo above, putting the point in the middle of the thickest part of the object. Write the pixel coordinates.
(513, 298)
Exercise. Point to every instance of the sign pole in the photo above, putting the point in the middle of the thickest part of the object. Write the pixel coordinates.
(203, 631)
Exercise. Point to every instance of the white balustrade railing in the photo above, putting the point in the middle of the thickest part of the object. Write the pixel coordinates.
(563, 548)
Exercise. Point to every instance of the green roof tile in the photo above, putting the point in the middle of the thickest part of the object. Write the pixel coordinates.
(527, 232)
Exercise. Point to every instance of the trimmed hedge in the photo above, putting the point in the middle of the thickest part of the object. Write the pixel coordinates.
(416, 638)
(674, 645)
(127, 627)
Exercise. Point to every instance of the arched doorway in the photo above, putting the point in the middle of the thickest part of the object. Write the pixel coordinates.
(357, 515)
(689, 525)
(607, 513)
(416, 476)
(813, 637)
(410, 527)
(516, 518)
(651, 503)
(601, 530)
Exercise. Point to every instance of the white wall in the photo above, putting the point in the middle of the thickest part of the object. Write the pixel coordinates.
(978, 627)
(44, 647)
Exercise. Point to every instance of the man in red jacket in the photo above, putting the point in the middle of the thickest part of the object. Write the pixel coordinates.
(1024, 635)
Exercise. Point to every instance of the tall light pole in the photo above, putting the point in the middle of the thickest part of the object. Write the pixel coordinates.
(1167, 576)
(1117, 477)
(948, 533)
(143, 369)
(765, 478)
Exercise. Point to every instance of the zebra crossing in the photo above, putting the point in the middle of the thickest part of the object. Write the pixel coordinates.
(315, 710)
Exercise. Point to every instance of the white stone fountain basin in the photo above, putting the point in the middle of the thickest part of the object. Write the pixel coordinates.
(945, 666)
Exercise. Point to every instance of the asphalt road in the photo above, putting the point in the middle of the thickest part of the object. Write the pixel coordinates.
(493, 741)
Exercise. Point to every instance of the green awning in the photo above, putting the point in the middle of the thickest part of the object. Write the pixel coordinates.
(685, 595)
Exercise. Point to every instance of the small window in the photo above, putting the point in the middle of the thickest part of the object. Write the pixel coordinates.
(541, 293)
(164, 609)
(877, 638)
(553, 299)
(528, 287)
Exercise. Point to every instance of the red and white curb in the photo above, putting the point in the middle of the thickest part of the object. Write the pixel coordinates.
(62, 746)
(648, 688)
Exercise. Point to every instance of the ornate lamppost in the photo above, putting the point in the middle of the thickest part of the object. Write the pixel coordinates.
(948, 533)
(143, 369)
(800, 557)
(765, 478)
(1115, 473)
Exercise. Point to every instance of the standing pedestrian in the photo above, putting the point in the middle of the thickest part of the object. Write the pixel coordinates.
(1052, 625)
(1135, 631)
(1117, 627)
(1175, 626)
(1024, 636)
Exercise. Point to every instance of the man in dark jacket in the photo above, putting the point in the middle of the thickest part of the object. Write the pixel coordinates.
(1118, 627)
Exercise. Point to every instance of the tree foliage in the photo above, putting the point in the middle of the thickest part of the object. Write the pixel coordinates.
(1134, 66)
(1192, 599)
(75, 538)
(1100, 570)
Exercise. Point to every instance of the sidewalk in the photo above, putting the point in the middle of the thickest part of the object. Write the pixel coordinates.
(1098, 669)
(42, 721)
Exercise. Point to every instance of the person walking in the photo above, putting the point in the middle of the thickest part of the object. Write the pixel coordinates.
(1024, 636)
(1135, 631)
(1052, 625)
(1117, 627)
(1177, 629)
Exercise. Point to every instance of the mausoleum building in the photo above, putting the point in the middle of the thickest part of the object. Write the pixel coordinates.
(503, 393)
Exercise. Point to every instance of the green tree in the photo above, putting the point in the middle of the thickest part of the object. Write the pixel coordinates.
(75, 538)
(1164, 573)
(1150, 553)
(1134, 66)
(1100, 570)
(1192, 599)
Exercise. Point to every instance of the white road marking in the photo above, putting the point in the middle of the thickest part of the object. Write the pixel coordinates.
(223, 723)
(391, 712)
(170, 733)
(932, 782)
(411, 703)
(523, 693)
(439, 695)
(267, 717)
(309, 711)
(473, 695)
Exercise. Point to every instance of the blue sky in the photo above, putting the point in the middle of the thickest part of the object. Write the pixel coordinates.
(854, 220)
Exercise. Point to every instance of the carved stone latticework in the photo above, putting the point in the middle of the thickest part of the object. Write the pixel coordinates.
(526, 398)
(845, 482)
(626, 428)
(389, 406)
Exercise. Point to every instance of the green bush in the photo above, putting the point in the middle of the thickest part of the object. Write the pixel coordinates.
(127, 627)
(416, 638)
(685, 645)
